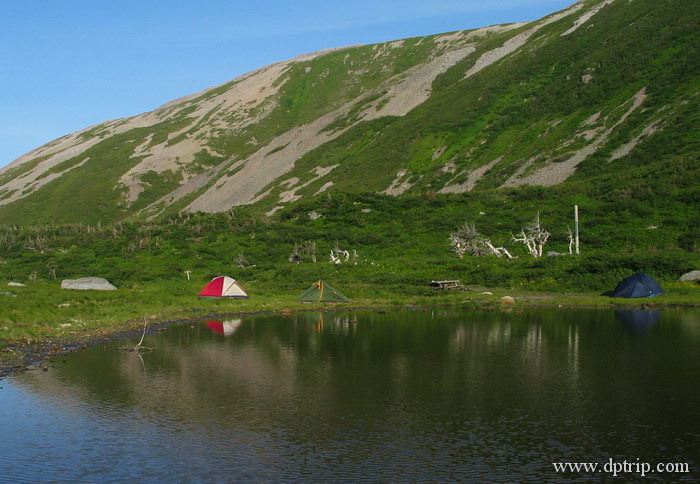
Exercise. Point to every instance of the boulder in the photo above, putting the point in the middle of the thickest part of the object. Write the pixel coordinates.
(16, 284)
(507, 300)
(94, 283)
(690, 276)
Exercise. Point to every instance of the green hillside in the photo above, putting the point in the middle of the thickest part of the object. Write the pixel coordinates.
(596, 106)
(531, 107)
(605, 92)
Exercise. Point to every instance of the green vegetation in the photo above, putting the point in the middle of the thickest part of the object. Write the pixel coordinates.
(401, 245)
(538, 105)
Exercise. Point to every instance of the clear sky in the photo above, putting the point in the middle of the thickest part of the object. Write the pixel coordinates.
(69, 64)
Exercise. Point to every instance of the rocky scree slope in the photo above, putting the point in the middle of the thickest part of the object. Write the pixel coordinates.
(591, 89)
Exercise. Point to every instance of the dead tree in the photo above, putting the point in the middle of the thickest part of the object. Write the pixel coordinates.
(534, 236)
(303, 251)
(39, 243)
(497, 251)
(241, 261)
(571, 240)
(52, 266)
(467, 239)
(338, 255)
(295, 256)
(310, 250)
(139, 346)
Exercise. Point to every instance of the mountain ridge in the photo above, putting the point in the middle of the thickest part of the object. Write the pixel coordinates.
(499, 107)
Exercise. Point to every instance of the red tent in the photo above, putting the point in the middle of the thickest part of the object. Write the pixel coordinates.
(223, 286)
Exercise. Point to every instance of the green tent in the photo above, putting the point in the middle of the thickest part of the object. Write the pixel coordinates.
(322, 292)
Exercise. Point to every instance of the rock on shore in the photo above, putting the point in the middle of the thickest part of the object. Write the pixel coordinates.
(84, 283)
(690, 276)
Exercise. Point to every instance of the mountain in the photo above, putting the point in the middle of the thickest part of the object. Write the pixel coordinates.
(596, 93)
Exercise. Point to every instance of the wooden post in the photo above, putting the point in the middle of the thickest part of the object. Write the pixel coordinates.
(576, 221)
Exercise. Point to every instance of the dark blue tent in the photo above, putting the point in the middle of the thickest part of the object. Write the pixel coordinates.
(638, 285)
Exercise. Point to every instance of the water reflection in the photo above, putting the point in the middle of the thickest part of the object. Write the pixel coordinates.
(227, 328)
(638, 319)
(407, 395)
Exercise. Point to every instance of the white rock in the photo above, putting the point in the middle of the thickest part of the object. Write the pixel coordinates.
(85, 283)
(507, 300)
(690, 276)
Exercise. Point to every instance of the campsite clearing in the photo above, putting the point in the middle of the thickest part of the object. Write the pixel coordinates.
(42, 321)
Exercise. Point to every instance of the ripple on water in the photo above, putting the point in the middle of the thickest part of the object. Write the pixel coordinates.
(455, 397)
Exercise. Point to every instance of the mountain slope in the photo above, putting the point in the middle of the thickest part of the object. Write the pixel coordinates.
(595, 90)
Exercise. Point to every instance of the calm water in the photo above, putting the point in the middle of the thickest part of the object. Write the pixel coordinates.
(438, 395)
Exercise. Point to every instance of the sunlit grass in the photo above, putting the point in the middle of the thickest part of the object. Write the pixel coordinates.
(43, 311)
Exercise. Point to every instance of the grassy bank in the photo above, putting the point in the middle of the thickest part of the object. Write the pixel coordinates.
(41, 319)
(395, 247)
(43, 310)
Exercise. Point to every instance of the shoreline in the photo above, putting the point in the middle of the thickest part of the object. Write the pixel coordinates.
(29, 356)
(37, 355)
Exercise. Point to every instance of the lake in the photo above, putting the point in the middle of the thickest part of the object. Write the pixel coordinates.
(412, 395)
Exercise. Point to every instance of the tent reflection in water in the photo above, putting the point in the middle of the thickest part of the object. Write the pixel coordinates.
(227, 328)
(224, 286)
(637, 319)
(637, 285)
(322, 292)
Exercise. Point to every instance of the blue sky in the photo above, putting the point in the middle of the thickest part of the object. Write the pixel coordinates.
(68, 64)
